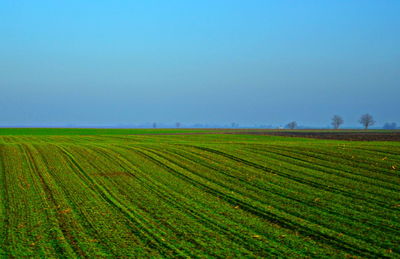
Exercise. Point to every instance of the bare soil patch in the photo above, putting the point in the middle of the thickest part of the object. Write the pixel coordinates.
(342, 135)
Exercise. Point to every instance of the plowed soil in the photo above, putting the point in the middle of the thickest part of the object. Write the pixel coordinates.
(354, 136)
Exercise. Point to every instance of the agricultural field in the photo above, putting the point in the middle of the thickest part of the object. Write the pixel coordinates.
(196, 193)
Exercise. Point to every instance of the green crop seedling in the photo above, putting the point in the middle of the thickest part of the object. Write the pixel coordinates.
(94, 193)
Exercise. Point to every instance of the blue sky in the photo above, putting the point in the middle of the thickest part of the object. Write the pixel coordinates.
(250, 62)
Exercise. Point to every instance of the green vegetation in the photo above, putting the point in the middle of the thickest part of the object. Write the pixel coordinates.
(94, 193)
(92, 131)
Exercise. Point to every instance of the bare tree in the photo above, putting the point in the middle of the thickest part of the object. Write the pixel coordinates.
(291, 125)
(367, 120)
(337, 121)
(178, 124)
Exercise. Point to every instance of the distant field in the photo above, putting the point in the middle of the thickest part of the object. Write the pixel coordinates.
(91, 131)
(105, 131)
(104, 192)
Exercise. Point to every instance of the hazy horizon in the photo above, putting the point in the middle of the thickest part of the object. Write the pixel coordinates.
(200, 62)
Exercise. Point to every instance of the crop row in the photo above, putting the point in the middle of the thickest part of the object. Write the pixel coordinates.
(219, 196)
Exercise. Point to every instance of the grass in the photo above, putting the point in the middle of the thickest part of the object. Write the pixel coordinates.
(88, 192)
(93, 131)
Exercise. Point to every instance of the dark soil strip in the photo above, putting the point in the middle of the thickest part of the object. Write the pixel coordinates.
(317, 134)
(353, 136)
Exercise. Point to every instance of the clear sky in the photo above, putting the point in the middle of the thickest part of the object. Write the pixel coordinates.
(207, 61)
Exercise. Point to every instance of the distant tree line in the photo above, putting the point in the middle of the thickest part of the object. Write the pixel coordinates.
(390, 125)
(366, 120)
(291, 125)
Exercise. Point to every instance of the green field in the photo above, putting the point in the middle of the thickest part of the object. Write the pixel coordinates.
(87, 193)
